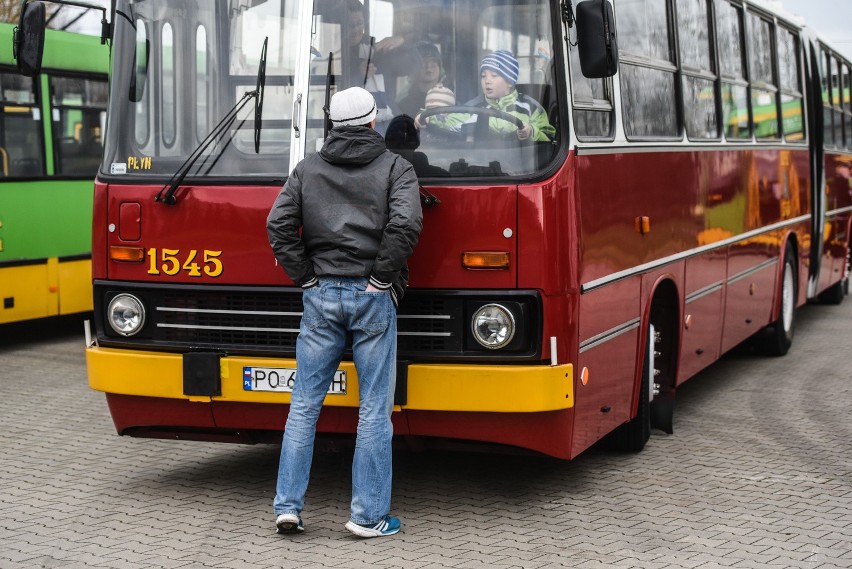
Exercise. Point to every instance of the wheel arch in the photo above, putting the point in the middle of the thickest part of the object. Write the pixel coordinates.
(664, 309)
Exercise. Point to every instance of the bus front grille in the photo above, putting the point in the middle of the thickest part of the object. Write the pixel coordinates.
(431, 324)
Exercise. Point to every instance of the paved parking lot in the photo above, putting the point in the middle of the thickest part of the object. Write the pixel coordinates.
(757, 474)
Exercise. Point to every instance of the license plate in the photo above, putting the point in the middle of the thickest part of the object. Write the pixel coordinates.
(282, 379)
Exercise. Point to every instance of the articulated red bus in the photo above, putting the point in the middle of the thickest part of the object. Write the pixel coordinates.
(695, 192)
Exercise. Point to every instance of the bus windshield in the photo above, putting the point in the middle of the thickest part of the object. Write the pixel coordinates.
(464, 88)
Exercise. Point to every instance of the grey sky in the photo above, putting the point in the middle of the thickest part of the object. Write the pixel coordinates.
(832, 20)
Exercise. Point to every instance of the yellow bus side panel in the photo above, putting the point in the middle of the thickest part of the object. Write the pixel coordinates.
(26, 289)
(75, 286)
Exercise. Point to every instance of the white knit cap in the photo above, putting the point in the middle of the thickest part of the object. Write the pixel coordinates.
(352, 107)
(439, 96)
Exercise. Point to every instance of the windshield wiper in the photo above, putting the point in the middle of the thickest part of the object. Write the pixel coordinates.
(258, 100)
(167, 192)
(325, 108)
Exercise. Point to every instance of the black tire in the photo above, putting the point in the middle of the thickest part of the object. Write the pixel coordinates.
(780, 333)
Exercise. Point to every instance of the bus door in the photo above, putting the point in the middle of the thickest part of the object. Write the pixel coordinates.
(816, 86)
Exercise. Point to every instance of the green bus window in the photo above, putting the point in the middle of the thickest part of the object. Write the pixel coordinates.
(20, 127)
(79, 116)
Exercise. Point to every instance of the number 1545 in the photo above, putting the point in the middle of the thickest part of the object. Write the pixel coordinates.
(171, 262)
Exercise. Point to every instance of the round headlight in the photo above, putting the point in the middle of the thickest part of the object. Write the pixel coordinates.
(126, 314)
(493, 326)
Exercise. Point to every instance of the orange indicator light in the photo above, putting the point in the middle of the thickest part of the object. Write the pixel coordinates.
(126, 254)
(584, 376)
(478, 260)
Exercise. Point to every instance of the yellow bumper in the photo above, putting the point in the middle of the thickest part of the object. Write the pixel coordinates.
(432, 387)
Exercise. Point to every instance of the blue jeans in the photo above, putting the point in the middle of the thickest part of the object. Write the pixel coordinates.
(331, 309)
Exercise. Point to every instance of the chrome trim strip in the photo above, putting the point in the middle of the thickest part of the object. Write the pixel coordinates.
(432, 334)
(424, 316)
(608, 335)
(743, 274)
(702, 292)
(211, 311)
(838, 211)
(286, 330)
(597, 283)
(686, 146)
(273, 313)
(241, 328)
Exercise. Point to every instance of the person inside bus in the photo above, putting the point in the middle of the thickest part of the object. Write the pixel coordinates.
(498, 75)
(403, 138)
(428, 74)
(369, 61)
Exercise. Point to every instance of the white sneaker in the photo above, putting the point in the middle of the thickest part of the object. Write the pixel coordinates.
(388, 526)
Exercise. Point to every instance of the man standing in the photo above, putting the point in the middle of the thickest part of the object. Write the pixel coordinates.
(358, 207)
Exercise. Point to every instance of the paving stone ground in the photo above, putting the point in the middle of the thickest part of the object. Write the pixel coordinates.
(757, 474)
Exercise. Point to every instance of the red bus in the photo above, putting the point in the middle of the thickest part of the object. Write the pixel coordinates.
(695, 193)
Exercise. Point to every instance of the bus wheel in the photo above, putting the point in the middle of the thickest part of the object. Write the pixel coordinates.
(780, 332)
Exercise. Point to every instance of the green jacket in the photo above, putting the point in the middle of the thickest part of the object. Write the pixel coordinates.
(516, 104)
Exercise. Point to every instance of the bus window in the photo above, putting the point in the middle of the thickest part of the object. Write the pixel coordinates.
(202, 72)
(792, 104)
(593, 109)
(764, 103)
(826, 72)
(836, 98)
(141, 95)
(697, 69)
(249, 27)
(647, 70)
(729, 42)
(79, 109)
(167, 76)
(383, 46)
(847, 105)
(20, 126)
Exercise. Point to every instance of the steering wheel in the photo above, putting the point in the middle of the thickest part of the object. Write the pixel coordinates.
(482, 114)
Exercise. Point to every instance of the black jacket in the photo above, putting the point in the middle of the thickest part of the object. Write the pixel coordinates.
(358, 206)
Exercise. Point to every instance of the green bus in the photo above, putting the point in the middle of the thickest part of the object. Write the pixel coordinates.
(51, 142)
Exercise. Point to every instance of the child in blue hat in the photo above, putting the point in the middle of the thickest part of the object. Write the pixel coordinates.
(498, 75)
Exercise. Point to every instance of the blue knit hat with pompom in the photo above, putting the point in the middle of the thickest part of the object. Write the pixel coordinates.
(503, 63)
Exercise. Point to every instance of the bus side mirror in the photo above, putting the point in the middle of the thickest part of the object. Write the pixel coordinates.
(28, 39)
(596, 40)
